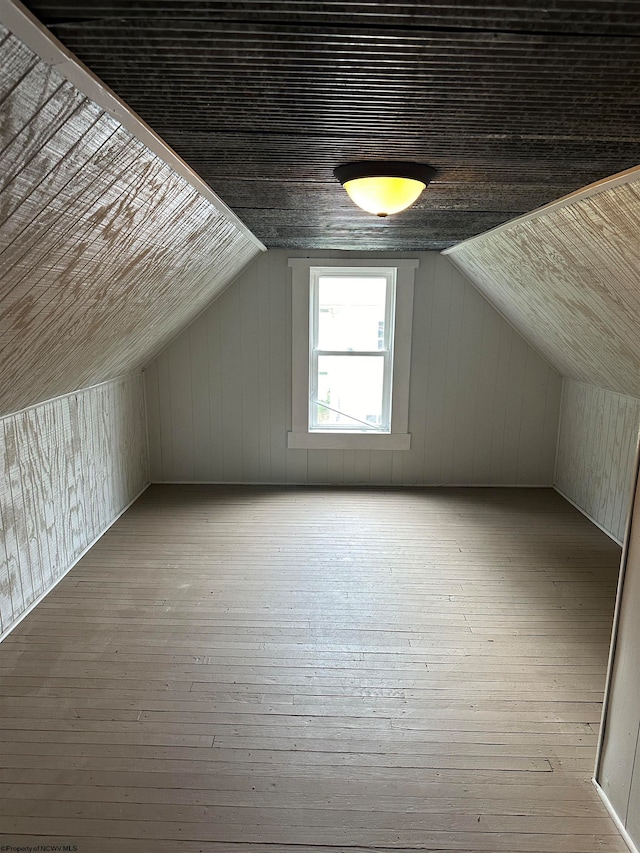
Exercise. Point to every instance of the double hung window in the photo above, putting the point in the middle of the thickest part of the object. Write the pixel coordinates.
(351, 353)
(351, 350)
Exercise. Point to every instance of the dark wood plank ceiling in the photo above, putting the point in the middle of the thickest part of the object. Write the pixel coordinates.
(514, 103)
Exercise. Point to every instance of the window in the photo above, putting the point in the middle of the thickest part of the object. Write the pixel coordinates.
(351, 350)
(351, 353)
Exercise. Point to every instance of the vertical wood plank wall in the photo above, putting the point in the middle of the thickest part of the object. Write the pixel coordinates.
(68, 467)
(619, 770)
(596, 452)
(483, 404)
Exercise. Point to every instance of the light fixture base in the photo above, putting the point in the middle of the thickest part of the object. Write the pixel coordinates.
(385, 186)
(385, 169)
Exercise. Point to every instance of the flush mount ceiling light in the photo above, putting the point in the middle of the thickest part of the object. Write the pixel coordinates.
(385, 186)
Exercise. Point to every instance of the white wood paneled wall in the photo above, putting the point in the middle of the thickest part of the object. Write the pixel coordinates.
(618, 771)
(596, 453)
(68, 467)
(483, 404)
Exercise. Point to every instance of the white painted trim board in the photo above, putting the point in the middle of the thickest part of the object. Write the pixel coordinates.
(355, 485)
(612, 813)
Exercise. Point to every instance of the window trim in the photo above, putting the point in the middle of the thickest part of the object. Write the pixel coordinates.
(386, 354)
(300, 437)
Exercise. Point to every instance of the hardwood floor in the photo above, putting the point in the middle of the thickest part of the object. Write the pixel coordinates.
(312, 670)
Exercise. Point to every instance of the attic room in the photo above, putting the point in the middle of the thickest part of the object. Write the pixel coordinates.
(229, 621)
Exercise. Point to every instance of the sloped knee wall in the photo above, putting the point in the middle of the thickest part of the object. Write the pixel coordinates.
(596, 452)
(68, 467)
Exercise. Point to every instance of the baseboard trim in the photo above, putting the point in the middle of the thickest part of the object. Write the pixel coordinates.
(590, 517)
(44, 594)
(351, 485)
(612, 812)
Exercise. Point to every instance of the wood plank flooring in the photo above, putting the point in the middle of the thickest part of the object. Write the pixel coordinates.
(305, 670)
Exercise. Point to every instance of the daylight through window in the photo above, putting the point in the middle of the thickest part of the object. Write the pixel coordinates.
(351, 325)
(351, 350)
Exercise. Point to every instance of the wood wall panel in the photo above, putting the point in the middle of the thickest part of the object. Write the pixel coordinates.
(105, 250)
(618, 772)
(483, 405)
(596, 453)
(68, 467)
(567, 278)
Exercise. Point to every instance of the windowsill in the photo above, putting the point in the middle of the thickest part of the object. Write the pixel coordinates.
(348, 441)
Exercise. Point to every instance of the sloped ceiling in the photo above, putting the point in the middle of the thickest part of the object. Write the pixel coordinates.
(105, 250)
(568, 278)
(515, 102)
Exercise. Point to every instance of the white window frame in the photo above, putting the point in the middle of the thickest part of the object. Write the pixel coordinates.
(301, 436)
(386, 354)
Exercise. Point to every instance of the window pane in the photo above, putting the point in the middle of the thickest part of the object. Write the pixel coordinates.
(351, 313)
(351, 388)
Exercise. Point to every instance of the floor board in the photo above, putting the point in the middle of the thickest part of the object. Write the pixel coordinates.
(254, 670)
